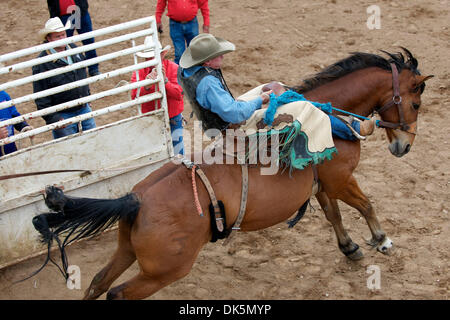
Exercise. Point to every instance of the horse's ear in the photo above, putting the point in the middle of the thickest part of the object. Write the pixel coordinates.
(420, 83)
(422, 79)
(411, 61)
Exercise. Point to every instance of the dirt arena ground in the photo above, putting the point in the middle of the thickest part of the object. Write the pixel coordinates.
(288, 40)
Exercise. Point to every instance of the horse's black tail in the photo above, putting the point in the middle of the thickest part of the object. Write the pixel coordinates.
(78, 218)
(300, 214)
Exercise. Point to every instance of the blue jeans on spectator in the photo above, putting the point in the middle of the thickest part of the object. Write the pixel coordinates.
(176, 129)
(340, 129)
(73, 127)
(182, 34)
(85, 26)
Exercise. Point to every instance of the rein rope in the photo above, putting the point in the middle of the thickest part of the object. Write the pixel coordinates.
(351, 114)
(215, 204)
(291, 96)
(194, 187)
(85, 172)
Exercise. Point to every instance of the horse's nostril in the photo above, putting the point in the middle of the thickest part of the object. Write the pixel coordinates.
(408, 147)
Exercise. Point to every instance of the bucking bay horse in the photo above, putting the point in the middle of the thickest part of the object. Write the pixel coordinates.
(364, 84)
(163, 228)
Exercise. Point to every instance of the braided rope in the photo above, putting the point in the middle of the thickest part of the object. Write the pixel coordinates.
(194, 187)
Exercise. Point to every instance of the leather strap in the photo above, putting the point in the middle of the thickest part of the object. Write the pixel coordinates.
(395, 82)
(219, 220)
(243, 206)
(396, 100)
(212, 195)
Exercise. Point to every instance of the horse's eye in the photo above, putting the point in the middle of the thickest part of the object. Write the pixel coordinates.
(415, 106)
(420, 88)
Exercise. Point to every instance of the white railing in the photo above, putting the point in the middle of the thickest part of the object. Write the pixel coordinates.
(88, 35)
(76, 84)
(15, 101)
(117, 154)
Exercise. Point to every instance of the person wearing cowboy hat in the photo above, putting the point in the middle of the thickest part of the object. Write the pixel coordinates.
(54, 30)
(211, 100)
(203, 83)
(77, 12)
(174, 92)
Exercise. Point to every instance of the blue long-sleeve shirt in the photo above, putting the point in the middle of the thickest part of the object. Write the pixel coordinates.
(6, 114)
(212, 95)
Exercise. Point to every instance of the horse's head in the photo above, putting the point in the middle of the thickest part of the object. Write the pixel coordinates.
(352, 84)
(399, 107)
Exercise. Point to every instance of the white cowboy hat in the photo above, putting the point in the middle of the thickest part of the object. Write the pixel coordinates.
(53, 25)
(204, 47)
(150, 52)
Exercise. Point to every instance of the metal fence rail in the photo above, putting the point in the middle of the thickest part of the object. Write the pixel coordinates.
(65, 53)
(114, 156)
(149, 25)
(75, 84)
(79, 38)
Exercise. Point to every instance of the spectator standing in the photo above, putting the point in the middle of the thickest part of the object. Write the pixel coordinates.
(54, 30)
(6, 114)
(174, 92)
(183, 21)
(81, 21)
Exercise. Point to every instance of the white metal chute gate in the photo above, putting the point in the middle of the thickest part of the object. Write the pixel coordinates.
(115, 155)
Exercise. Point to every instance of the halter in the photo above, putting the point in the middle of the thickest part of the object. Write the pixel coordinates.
(396, 100)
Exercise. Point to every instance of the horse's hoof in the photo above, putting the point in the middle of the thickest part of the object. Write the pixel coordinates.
(353, 253)
(355, 256)
(372, 242)
(386, 246)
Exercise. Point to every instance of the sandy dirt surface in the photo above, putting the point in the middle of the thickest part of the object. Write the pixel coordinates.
(288, 40)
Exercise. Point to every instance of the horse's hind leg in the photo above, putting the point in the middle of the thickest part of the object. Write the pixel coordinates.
(165, 254)
(154, 276)
(354, 197)
(346, 244)
(120, 261)
(142, 286)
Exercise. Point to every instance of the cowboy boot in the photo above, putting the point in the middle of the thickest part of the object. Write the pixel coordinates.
(366, 127)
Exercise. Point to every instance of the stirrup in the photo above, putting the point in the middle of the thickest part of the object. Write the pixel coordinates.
(347, 121)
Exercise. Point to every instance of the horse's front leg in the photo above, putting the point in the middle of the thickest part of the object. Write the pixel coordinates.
(345, 243)
(354, 197)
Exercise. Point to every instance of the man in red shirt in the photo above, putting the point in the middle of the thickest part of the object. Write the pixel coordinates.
(174, 92)
(183, 21)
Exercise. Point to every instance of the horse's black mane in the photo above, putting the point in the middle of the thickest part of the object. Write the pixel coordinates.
(358, 61)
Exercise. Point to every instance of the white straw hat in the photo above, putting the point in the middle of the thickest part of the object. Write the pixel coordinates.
(204, 47)
(52, 25)
(150, 52)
